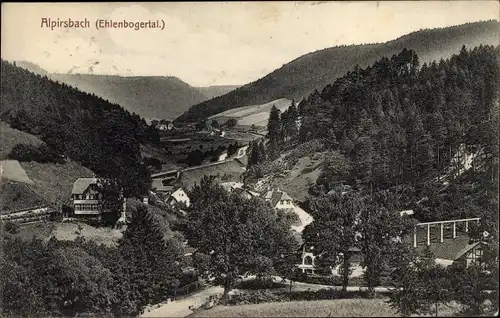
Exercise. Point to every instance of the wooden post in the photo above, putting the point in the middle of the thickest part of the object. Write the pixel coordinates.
(466, 226)
(442, 237)
(454, 229)
(428, 234)
(415, 237)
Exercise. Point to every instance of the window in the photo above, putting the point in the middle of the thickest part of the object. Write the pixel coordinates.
(308, 260)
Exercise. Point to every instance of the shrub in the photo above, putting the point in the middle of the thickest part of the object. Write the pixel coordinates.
(306, 149)
(42, 153)
(230, 123)
(267, 296)
(256, 284)
(11, 227)
(153, 162)
(261, 296)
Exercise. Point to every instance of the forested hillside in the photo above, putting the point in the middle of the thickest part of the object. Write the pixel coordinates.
(151, 97)
(315, 70)
(100, 135)
(217, 90)
(399, 122)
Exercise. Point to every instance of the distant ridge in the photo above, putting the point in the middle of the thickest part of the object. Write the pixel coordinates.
(151, 97)
(315, 70)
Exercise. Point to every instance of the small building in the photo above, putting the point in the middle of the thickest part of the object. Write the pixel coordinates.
(245, 193)
(178, 197)
(308, 262)
(163, 185)
(406, 212)
(279, 200)
(222, 156)
(217, 132)
(166, 127)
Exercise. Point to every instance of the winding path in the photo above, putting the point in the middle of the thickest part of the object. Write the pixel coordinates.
(181, 308)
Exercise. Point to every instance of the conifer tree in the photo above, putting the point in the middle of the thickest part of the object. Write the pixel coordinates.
(150, 263)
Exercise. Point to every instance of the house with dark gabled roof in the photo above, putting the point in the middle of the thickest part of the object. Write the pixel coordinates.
(86, 198)
(279, 200)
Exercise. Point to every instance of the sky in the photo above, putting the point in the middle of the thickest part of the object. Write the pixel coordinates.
(214, 43)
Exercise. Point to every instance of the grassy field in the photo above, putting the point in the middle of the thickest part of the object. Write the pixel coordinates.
(101, 235)
(68, 232)
(317, 308)
(9, 137)
(231, 169)
(27, 232)
(55, 181)
(299, 178)
(257, 115)
(49, 181)
(12, 170)
(16, 195)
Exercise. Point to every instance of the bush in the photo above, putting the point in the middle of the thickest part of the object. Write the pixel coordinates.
(230, 123)
(306, 149)
(11, 227)
(267, 296)
(261, 296)
(153, 162)
(42, 154)
(256, 284)
(330, 280)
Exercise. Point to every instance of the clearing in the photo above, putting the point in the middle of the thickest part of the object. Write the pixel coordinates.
(227, 171)
(35, 183)
(9, 137)
(68, 232)
(298, 179)
(12, 170)
(55, 181)
(314, 308)
(99, 235)
(257, 115)
(17, 196)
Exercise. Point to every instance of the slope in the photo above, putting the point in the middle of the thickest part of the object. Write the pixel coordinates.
(151, 97)
(217, 90)
(257, 115)
(50, 182)
(317, 69)
(89, 130)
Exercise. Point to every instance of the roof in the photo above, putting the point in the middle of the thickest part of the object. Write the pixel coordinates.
(82, 184)
(157, 184)
(177, 188)
(449, 249)
(242, 192)
(268, 195)
(406, 212)
(278, 196)
(466, 249)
